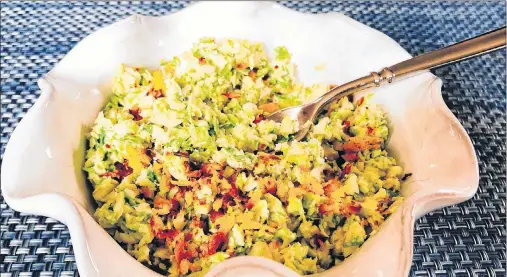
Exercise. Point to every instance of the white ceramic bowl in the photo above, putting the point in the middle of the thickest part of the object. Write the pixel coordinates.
(41, 170)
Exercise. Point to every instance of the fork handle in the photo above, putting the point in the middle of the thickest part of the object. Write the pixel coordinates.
(482, 44)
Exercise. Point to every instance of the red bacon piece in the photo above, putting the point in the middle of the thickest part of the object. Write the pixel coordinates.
(346, 170)
(231, 95)
(214, 215)
(350, 157)
(179, 251)
(250, 204)
(156, 93)
(354, 208)
(166, 234)
(216, 241)
(270, 187)
(346, 125)
(360, 101)
(135, 112)
(123, 169)
(325, 209)
(259, 118)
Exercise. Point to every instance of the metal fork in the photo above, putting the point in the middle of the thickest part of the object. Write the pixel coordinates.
(305, 114)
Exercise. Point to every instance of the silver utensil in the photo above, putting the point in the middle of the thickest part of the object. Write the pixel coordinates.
(305, 114)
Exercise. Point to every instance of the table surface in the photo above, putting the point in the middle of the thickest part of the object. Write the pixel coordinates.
(464, 240)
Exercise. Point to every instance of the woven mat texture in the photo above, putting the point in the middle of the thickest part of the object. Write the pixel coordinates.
(464, 240)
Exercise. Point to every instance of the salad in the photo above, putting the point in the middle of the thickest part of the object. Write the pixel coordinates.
(187, 171)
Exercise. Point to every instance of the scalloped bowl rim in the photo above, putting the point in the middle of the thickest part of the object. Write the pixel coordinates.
(79, 221)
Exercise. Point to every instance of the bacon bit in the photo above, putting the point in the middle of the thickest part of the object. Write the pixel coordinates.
(232, 95)
(107, 174)
(137, 68)
(172, 204)
(346, 125)
(213, 215)
(350, 157)
(252, 75)
(196, 222)
(346, 170)
(250, 204)
(228, 200)
(232, 178)
(216, 242)
(147, 192)
(332, 86)
(180, 194)
(338, 146)
(135, 112)
(122, 169)
(262, 146)
(240, 66)
(181, 154)
(234, 190)
(233, 196)
(275, 244)
(221, 172)
(370, 130)
(108, 146)
(259, 118)
(321, 243)
(202, 60)
(360, 101)
(160, 202)
(208, 169)
(325, 208)
(270, 187)
(276, 66)
(166, 234)
(331, 186)
(194, 174)
(156, 226)
(175, 206)
(180, 253)
(354, 207)
(156, 93)
(152, 222)
(268, 156)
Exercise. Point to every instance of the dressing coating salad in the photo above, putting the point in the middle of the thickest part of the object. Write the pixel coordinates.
(187, 171)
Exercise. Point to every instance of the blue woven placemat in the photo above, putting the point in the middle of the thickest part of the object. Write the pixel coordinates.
(464, 240)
